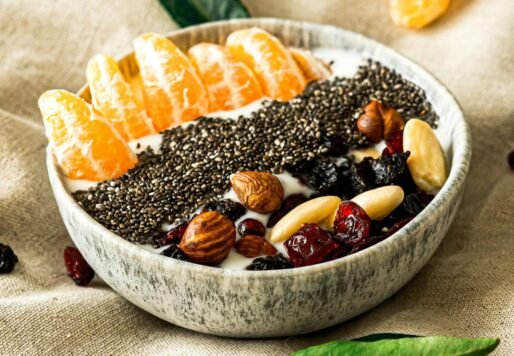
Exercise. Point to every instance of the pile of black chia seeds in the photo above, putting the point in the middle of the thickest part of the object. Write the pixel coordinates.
(195, 161)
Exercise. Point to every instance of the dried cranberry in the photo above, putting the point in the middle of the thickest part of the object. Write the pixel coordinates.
(269, 263)
(7, 259)
(510, 159)
(173, 236)
(231, 209)
(352, 224)
(251, 227)
(311, 245)
(394, 144)
(78, 268)
(287, 205)
(376, 239)
(175, 252)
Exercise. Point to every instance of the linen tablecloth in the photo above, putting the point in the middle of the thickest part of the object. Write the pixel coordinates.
(467, 288)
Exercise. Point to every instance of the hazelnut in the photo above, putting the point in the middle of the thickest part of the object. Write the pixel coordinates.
(370, 123)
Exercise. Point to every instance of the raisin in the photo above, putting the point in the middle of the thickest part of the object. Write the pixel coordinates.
(175, 252)
(352, 225)
(510, 159)
(269, 263)
(287, 205)
(174, 236)
(78, 268)
(322, 175)
(7, 259)
(231, 209)
(386, 170)
(311, 245)
(251, 227)
(379, 237)
(335, 146)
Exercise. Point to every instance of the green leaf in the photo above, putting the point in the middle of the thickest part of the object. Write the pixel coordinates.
(192, 12)
(405, 345)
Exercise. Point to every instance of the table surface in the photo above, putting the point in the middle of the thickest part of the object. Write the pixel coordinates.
(467, 288)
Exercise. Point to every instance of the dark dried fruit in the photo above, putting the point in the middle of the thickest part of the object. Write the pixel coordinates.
(311, 245)
(287, 205)
(352, 225)
(231, 209)
(335, 145)
(386, 170)
(253, 246)
(173, 236)
(269, 263)
(510, 159)
(78, 268)
(251, 227)
(7, 259)
(379, 237)
(175, 252)
(322, 175)
(394, 144)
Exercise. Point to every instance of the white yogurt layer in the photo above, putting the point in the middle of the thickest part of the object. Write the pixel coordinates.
(345, 63)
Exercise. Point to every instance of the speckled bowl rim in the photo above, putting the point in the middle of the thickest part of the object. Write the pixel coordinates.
(456, 178)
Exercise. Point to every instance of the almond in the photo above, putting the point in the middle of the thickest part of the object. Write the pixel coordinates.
(253, 246)
(380, 202)
(426, 161)
(314, 211)
(258, 191)
(208, 238)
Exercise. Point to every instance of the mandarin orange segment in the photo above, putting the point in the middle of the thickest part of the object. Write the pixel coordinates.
(230, 83)
(312, 68)
(416, 14)
(173, 91)
(113, 97)
(271, 62)
(84, 143)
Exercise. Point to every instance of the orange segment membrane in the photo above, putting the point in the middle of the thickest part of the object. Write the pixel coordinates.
(113, 97)
(312, 68)
(84, 143)
(272, 63)
(173, 92)
(230, 83)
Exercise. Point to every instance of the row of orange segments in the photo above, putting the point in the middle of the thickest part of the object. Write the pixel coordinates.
(90, 142)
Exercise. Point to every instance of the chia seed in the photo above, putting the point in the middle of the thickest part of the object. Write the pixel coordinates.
(196, 160)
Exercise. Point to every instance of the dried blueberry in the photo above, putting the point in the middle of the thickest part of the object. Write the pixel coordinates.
(269, 263)
(7, 259)
(251, 227)
(78, 268)
(175, 252)
(287, 205)
(231, 209)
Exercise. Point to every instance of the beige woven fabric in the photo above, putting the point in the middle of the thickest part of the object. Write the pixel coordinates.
(467, 289)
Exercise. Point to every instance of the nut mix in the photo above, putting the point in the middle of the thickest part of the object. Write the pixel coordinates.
(346, 197)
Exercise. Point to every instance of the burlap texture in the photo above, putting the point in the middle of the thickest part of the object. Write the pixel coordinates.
(467, 288)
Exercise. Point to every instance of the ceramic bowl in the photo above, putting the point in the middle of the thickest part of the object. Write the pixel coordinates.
(284, 302)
